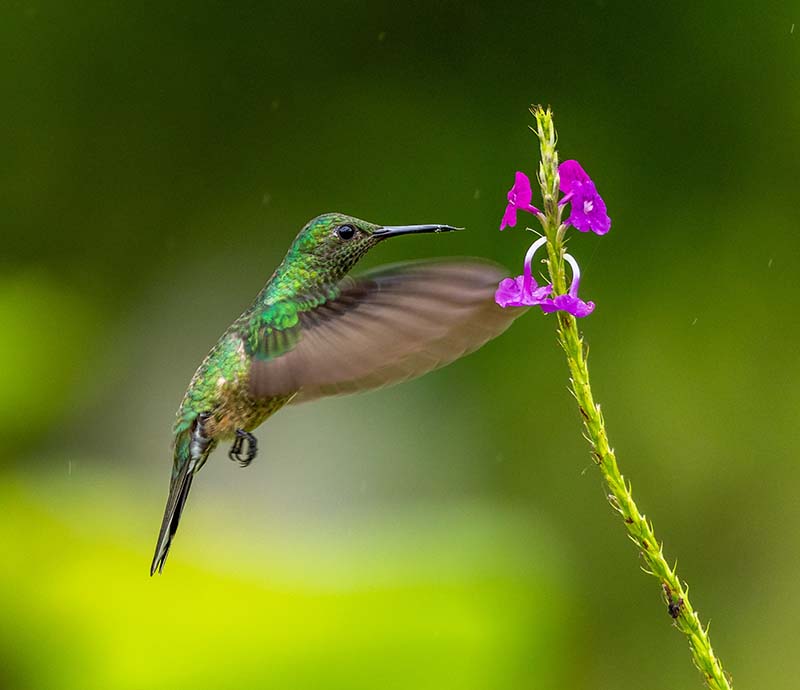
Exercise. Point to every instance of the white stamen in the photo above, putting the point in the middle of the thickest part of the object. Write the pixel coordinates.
(576, 273)
(531, 251)
(588, 205)
(526, 280)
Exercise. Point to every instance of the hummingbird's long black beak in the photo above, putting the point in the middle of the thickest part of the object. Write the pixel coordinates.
(395, 230)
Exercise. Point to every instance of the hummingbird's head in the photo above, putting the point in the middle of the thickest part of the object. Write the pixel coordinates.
(337, 241)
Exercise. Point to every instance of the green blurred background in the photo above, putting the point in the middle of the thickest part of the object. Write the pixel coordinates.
(157, 159)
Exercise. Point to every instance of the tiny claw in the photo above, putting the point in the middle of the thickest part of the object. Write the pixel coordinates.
(235, 453)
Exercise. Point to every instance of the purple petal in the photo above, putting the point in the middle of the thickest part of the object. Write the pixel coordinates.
(569, 173)
(520, 194)
(519, 198)
(587, 208)
(599, 222)
(509, 217)
(572, 305)
(575, 306)
(539, 295)
(511, 292)
(508, 293)
(548, 307)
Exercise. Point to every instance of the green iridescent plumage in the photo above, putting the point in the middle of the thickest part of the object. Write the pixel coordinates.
(314, 331)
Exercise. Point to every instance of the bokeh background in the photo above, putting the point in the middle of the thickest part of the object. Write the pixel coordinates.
(157, 159)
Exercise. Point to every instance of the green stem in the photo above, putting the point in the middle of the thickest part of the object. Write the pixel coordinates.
(640, 530)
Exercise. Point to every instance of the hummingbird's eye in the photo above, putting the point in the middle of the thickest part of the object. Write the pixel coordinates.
(346, 232)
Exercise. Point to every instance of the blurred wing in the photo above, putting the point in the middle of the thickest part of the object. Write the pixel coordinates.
(389, 325)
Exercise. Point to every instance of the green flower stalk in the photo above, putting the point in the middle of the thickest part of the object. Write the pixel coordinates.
(588, 213)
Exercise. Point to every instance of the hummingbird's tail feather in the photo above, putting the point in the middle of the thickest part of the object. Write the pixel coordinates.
(178, 491)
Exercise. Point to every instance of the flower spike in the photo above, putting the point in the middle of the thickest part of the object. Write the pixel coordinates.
(588, 213)
(519, 199)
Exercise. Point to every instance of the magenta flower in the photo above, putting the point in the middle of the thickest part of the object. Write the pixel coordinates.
(587, 208)
(513, 292)
(519, 199)
(570, 302)
(523, 291)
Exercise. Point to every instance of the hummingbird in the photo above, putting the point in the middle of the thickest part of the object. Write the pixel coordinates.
(316, 331)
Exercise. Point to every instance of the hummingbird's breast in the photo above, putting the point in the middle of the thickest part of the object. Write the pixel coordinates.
(238, 410)
(220, 387)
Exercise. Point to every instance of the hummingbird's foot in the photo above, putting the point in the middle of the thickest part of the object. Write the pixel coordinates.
(235, 453)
